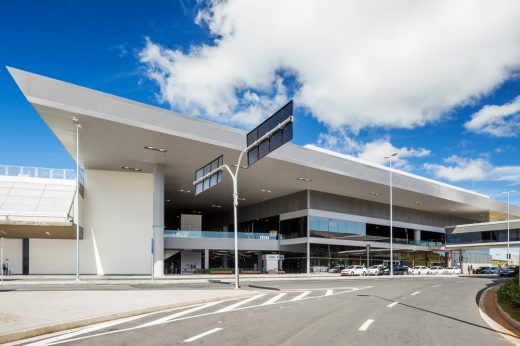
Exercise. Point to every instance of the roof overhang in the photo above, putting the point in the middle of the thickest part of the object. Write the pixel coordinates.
(115, 131)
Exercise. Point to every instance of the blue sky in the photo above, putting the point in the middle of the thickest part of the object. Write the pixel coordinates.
(364, 80)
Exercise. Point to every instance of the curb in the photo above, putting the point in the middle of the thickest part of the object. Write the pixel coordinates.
(514, 323)
(498, 324)
(61, 326)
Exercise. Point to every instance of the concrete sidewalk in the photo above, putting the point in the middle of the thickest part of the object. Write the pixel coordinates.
(25, 314)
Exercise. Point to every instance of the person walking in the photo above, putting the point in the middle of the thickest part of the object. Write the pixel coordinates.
(5, 266)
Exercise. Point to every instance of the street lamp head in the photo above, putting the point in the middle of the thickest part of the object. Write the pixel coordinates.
(508, 192)
(392, 155)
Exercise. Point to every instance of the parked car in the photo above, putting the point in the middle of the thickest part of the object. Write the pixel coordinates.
(375, 269)
(452, 270)
(480, 270)
(509, 271)
(489, 270)
(355, 270)
(398, 270)
(436, 270)
(420, 270)
(337, 268)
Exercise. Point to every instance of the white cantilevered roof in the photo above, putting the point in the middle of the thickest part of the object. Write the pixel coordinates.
(115, 131)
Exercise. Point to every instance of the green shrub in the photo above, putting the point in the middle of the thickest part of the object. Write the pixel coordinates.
(510, 290)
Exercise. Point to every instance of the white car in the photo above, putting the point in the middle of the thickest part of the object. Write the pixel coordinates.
(436, 270)
(375, 269)
(452, 270)
(355, 270)
(420, 270)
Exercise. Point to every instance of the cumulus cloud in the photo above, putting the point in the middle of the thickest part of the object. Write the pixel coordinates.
(373, 151)
(355, 63)
(458, 168)
(498, 121)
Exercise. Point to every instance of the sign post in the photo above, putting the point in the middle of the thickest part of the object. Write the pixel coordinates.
(265, 138)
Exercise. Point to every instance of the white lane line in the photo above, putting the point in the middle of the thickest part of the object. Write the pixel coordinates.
(201, 335)
(415, 293)
(274, 299)
(437, 285)
(85, 331)
(365, 325)
(392, 305)
(179, 314)
(301, 296)
(329, 292)
(236, 305)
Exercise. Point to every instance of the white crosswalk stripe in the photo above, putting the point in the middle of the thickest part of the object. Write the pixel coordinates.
(301, 296)
(179, 314)
(274, 299)
(243, 302)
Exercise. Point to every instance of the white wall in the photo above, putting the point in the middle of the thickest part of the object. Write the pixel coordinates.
(116, 216)
(13, 251)
(52, 256)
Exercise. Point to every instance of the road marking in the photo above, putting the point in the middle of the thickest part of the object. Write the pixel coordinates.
(274, 299)
(329, 292)
(236, 305)
(415, 293)
(110, 332)
(85, 331)
(300, 297)
(365, 325)
(437, 285)
(392, 305)
(201, 335)
(179, 314)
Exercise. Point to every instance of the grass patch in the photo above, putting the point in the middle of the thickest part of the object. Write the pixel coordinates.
(510, 307)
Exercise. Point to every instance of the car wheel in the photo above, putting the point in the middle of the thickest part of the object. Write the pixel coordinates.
(364, 273)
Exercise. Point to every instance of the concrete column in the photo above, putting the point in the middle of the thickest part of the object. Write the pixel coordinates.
(461, 258)
(158, 220)
(225, 261)
(417, 235)
(308, 257)
(260, 262)
(206, 258)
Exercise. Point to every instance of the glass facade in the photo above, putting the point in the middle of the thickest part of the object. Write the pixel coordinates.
(483, 237)
(324, 227)
(294, 228)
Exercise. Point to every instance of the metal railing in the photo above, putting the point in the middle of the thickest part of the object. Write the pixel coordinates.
(40, 172)
(217, 234)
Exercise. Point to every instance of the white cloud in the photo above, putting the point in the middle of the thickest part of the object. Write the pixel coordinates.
(375, 151)
(458, 168)
(498, 121)
(357, 63)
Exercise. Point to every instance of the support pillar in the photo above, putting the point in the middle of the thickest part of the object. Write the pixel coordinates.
(225, 261)
(417, 236)
(158, 220)
(206, 258)
(260, 262)
(308, 257)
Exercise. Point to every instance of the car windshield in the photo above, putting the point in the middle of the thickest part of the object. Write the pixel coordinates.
(350, 267)
(374, 267)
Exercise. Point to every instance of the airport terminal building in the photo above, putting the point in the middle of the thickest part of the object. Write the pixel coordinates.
(304, 209)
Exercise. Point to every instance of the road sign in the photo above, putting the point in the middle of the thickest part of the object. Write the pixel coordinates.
(277, 135)
(212, 174)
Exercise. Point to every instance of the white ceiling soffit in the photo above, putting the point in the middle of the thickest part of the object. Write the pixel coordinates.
(115, 131)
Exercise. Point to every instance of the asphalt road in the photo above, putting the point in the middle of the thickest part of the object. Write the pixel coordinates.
(404, 311)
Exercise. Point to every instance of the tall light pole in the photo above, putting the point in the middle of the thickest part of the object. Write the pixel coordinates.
(508, 193)
(78, 125)
(389, 157)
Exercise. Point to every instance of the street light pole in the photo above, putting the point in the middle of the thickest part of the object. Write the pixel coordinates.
(508, 217)
(78, 125)
(391, 217)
